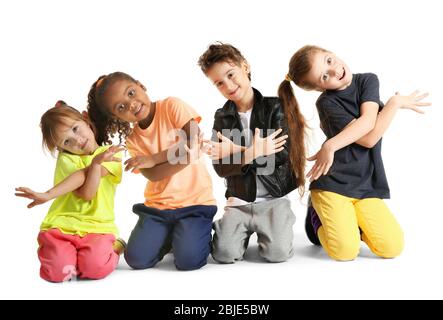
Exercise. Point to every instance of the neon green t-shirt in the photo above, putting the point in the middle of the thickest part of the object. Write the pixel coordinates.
(73, 215)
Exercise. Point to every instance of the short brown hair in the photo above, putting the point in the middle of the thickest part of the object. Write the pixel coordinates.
(220, 52)
(57, 115)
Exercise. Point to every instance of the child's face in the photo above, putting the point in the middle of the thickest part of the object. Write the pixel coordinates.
(328, 72)
(76, 137)
(230, 79)
(127, 101)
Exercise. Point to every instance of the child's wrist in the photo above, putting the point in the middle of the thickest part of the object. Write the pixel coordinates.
(249, 154)
(329, 146)
(95, 164)
(236, 148)
(394, 101)
(50, 193)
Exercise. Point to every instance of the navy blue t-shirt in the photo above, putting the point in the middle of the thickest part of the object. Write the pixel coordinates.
(357, 171)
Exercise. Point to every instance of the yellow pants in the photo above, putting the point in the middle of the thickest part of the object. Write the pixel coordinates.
(341, 218)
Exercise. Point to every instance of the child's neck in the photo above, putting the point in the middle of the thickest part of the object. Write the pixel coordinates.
(94, 148)
(146, 122)
(246, 102)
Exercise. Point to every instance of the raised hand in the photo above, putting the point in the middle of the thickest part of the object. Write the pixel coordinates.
(412, 101)
(139, 162)
(224, 148)
(194, 149)
(37, 197)
(269, 145)
(108, 155)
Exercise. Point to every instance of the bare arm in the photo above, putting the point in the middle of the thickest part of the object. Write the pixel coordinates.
(69, 184)
(95, 172)
(83, 183)
(385, 117)
(167, 169)
(90, 186)
(354, 131)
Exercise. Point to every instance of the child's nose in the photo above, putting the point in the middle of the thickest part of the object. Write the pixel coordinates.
(133, 105)
(230, 85)
(80, 141)
(337, 70)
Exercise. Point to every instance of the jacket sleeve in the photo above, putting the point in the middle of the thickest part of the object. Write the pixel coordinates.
(228, 166)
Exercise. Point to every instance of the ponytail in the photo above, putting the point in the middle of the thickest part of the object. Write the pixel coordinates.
(296, 129)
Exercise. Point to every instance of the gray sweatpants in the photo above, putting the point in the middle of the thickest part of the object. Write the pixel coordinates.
(272, 221)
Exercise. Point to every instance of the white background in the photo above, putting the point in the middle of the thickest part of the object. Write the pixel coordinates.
(54, 50)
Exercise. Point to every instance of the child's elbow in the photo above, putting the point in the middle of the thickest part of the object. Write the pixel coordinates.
(84, 195)
(88, 197)
(149, 174)
(370, 123)
(368, 143)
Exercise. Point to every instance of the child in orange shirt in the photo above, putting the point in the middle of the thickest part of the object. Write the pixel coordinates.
(179, 205)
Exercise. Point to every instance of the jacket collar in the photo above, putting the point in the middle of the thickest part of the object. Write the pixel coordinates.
(258, 109)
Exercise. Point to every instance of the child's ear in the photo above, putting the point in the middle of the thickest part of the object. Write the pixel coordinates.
(85, 116)
(246, 66)
(141, 85)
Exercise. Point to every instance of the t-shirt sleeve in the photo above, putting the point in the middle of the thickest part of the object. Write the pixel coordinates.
(133, 148)
(65, 166)
(370, 90)
(333, 117)
(181, 113)
(114, 168)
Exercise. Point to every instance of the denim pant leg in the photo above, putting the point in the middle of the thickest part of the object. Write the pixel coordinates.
(191, 239)
(148, 239)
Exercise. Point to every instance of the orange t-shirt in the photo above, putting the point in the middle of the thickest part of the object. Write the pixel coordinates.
(188, 187)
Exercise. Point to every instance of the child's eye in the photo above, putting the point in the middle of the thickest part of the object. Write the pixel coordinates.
(230, 75)
(131, 93)
(218, 84)
(66, 142)
(120, 107)
(75, 129)
(329, 60)
(325, 77)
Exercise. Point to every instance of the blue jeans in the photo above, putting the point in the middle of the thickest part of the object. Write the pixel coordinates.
(187, 230)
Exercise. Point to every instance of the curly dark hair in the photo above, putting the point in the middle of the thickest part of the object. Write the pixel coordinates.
(105, 123)
(220, 52)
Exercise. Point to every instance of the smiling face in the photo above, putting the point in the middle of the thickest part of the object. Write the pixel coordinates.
(231, 80)
(75, 136)
(127, 100)
(328, 72)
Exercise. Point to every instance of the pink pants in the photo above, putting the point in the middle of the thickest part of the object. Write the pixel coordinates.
(64, 256)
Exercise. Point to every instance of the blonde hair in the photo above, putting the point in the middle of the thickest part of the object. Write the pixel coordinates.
(60, 114)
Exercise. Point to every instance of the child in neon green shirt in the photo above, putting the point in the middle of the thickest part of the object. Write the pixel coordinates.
(77, 236)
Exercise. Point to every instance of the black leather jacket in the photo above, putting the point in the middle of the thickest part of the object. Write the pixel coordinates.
(267, 113)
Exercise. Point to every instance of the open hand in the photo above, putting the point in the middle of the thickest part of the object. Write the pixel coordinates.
(139, 162)
(224, 148)
(412, 101)
(323, 162)
(37, 197)
(269, 145)
(108, 155)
